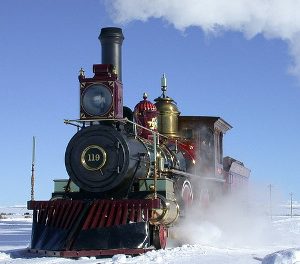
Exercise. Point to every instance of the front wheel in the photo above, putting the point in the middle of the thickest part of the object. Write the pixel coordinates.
(159, 236)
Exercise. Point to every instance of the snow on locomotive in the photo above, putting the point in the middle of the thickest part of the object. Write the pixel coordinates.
(132, 174)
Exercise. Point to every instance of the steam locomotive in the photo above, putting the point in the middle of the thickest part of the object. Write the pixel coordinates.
(133, 174)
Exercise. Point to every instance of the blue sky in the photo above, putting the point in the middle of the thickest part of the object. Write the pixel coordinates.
(237, 68)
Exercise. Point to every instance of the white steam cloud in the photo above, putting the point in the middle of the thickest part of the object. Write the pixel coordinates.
(239, 219)
(272, 18)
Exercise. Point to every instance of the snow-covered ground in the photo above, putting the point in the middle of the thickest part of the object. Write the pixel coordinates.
(209, 243)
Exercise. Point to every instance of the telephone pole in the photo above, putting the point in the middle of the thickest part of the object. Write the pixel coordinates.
(32, 169)
(291, 194)
(270, 200)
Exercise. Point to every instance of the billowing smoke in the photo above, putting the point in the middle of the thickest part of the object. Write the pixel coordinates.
(274, 19)
(239, 219)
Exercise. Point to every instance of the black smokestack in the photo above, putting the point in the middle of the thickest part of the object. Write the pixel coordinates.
(111, 39)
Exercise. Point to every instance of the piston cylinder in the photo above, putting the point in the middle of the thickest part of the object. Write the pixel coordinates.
(168, 212)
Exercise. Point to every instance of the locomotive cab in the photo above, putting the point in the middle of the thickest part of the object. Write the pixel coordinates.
(207, 134)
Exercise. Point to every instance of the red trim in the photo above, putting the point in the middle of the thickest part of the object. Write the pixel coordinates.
(118, 215)
(132, 211)
(75, 212)
(90, 253)
(111, 214)
(89, 222)
(139, 213)
(67, 212)
(60, 213)
(104, 215)
(125, 215)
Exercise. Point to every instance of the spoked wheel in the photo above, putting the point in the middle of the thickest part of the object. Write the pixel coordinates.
(160, 235)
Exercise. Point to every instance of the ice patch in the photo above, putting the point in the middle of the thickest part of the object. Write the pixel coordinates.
(288, 256)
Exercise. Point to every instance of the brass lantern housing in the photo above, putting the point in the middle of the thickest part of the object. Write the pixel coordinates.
(167, 121)
(101, 96)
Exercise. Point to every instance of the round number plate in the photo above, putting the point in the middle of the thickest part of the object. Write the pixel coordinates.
(93, 157)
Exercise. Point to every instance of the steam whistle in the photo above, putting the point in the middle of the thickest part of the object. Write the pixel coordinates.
(164, 85)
